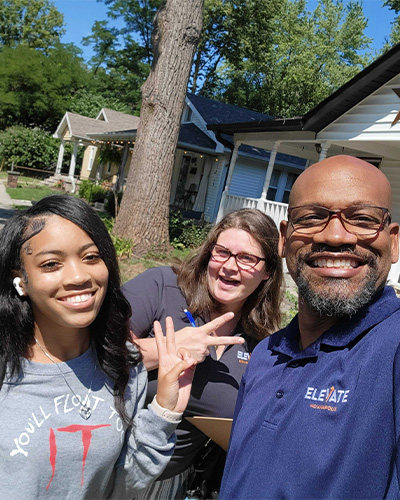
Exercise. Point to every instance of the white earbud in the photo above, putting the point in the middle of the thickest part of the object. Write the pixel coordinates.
(17, 285)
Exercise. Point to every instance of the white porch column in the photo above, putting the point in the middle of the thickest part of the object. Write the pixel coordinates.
(72, 165)
(121, 173)
(60, 157)
(221, 210)
(270, 169)
(232, 166)
(324, 150)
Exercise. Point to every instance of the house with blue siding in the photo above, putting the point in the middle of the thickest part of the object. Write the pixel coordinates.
(201, 161)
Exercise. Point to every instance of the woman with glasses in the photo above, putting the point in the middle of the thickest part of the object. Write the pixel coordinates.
(223, 299)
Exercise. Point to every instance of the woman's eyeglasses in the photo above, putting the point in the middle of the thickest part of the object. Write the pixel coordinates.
(243, 260)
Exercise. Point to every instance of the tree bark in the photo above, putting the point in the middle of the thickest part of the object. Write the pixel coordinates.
(144, 211)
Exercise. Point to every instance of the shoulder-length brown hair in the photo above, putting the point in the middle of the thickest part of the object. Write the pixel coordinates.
(261, 313)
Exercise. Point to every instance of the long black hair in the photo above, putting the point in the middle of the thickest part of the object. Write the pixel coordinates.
(110, 330)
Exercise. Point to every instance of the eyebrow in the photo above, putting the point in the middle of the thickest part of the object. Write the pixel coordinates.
(60, 252)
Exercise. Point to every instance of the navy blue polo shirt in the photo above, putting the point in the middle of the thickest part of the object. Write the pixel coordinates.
(154, 295)
(323, 422)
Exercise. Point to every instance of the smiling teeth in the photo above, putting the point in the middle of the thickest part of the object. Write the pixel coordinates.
(76, 299)
(337, 263)
(228, 280)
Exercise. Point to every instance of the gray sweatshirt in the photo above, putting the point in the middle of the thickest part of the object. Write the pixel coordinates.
(47, 450)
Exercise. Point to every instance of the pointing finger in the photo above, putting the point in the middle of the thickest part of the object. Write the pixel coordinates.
(217, 322)
(224, 340)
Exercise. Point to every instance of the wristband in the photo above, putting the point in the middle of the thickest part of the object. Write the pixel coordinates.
(171, 416)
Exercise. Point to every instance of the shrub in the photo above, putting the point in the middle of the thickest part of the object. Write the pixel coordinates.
(123, 246)
(186, 233)
(193, 236)
(28, 147)
(175, 224)
(290, 307)
(109, 202)
(92, 192)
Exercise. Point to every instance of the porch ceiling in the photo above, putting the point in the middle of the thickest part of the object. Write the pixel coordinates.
(305, 145)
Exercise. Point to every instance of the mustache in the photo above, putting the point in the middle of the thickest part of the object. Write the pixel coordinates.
(322, 247)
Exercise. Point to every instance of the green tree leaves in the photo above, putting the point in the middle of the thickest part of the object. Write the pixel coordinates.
(27, 147)
(37, 23)
(290, 61)
(35, 89)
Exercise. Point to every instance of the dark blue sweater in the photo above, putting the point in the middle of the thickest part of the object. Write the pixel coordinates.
(323, 422)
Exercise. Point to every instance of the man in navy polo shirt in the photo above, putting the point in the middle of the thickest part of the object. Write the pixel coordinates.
(318, 412)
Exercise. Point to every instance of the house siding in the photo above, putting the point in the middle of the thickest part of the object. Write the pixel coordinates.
(391, 168)
(370, 120)
(248, 178)
(214, 191)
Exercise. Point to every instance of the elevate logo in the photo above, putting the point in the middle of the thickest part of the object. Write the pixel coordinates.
(327, 395)
(243, 357)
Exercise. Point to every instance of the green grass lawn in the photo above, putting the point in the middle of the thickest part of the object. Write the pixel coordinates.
(34, 193)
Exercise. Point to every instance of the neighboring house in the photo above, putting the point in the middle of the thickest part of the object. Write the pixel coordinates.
(361, 119)
(201, 161)
(74, 128)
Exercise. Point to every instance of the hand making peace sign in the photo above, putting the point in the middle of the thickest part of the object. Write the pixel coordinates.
(175, 370)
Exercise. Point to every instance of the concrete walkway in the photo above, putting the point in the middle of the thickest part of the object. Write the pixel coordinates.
(7, 209)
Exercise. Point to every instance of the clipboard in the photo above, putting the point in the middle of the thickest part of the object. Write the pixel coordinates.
(218, 429)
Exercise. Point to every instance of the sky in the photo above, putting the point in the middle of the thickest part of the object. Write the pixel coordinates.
(79, 16)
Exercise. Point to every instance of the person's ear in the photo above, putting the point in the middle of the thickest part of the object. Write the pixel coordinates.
(17, 282)
(282, 238)
(394, 243)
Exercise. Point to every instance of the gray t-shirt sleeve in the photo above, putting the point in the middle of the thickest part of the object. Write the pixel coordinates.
(147, 449)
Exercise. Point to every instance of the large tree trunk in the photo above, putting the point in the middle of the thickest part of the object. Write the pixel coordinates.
(143, 215)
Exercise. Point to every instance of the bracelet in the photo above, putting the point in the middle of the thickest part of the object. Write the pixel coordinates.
(171, 416)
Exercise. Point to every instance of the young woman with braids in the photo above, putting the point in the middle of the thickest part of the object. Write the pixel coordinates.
(236, 273)
(72, 385)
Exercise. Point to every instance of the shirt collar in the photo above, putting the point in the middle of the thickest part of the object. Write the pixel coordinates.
(343, 332)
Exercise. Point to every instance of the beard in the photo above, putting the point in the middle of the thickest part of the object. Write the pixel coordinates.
(336, 297)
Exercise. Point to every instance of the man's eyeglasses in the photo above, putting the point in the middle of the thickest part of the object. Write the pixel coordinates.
(243, 260)
(361, 220)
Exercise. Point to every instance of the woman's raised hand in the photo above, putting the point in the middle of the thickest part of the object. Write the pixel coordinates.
(175, 369)
(198, 340)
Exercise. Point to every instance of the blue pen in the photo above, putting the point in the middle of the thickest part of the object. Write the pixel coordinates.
(189, 317)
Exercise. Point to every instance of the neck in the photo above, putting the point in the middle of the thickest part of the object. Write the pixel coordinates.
(226, 329)
(61, 347)
(235, 308)
(311, 324)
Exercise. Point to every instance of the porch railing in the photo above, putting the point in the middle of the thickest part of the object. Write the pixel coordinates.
(277, 211)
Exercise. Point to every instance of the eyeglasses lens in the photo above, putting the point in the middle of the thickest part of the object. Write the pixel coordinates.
(243, 260)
